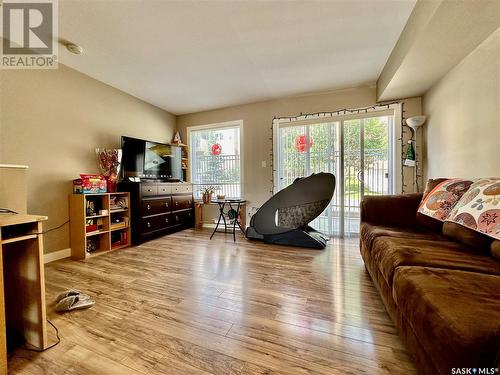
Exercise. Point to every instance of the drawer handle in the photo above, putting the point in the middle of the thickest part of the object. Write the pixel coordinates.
(176, 218)
(149, 224)
(166, 220)
(176, 203)
(148, 207)
(166, 204)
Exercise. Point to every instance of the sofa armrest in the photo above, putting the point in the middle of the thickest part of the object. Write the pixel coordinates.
(390, 209)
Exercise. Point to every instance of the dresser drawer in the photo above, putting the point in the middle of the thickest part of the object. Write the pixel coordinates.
(149, 189)
(164, 189)
(156, 206)
(182, 202)
(148, 225)
(151, 224)
(182, 188)
(183, 218)
(164, 221)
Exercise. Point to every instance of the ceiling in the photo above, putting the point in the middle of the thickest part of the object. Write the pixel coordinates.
(438, 36)
(190, 56)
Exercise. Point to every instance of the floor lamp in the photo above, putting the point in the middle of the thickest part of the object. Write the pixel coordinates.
(414, 123)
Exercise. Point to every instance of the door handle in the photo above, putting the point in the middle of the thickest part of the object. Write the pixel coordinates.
(358, 176)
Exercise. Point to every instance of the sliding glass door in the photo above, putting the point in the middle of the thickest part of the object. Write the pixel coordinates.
(356, 150)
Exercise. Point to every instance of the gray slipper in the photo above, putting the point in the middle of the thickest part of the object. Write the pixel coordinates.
(67, 293)
(78, 302)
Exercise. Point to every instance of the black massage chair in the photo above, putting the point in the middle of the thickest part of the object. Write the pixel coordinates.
(284, 218)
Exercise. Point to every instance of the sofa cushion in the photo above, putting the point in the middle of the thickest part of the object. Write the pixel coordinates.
(425, 221)
(431, 184)
(454, 314)
(429, 223)
(495, 249)
(442, 199)
(389, 253)
(469, 237)
(479, 210)
(392, 210)
(368, 233)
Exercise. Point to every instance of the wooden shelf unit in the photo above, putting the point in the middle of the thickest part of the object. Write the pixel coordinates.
(185, 160)
(103, 236)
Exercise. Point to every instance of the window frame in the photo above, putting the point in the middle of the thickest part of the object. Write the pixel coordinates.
(395, 138)
(217, 126)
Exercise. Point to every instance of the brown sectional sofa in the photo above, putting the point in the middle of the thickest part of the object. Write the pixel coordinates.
(443, 296)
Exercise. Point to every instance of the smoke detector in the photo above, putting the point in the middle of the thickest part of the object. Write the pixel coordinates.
(73, 48)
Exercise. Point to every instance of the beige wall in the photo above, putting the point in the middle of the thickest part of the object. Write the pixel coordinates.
(257, 121)
(463, 127)
(52, 120)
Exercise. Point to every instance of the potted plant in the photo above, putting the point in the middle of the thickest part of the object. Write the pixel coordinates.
(207, 193)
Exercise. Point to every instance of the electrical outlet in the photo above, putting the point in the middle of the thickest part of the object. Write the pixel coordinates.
(263, 163)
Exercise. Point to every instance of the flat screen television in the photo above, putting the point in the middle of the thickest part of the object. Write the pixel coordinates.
(151, 160)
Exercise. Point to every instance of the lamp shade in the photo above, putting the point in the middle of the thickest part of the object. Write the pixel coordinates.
(415, 121)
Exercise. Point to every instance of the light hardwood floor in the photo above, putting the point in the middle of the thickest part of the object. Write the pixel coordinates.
(183, 304)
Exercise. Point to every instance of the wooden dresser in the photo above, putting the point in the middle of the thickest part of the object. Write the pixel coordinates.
(158, 208)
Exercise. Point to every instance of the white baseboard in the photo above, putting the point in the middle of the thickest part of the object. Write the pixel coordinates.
(56, 255)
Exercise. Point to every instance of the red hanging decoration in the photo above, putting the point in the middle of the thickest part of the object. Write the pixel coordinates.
(300, 143)
(216, 149)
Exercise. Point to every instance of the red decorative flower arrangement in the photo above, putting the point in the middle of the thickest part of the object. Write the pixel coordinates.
(109, 160)
(300, 143)
(216, 149)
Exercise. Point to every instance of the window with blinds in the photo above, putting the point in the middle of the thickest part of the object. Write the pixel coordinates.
(216, 159)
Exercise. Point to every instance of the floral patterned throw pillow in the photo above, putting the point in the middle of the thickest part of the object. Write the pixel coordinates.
(479, 208)
(440, 202)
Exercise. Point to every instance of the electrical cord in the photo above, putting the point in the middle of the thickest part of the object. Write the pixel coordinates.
(49, 347)
(51, 229)
(8, 210)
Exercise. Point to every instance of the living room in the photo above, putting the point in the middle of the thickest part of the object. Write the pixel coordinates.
(250, 187)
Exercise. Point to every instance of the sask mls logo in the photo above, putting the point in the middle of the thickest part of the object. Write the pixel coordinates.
(29, 34)
(474, 371)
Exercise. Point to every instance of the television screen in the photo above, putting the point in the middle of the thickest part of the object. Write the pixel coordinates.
(132, 157)
(147, 159)
(158, 158)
